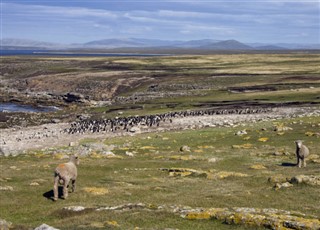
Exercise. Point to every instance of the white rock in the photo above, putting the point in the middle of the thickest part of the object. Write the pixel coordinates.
(45, 227)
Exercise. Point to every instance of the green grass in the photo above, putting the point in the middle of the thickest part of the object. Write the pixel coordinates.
(138, 179)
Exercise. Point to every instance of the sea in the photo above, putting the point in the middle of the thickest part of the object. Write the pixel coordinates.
(74, 54)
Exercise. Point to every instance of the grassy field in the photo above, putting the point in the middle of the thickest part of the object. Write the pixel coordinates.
(145, 85)
(224, 162)
(123, 179)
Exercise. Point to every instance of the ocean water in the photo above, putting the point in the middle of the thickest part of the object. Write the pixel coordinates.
(73, 54)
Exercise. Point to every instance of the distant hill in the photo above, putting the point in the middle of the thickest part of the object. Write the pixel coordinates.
(227, 45)
(270, 47)
(203, 44)
(29, 44)
(114, 43)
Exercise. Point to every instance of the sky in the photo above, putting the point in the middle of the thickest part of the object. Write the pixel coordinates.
(80, 21)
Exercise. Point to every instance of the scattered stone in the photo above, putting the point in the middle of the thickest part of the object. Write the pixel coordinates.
(241, 132)
(55, 121)
(258, 167)
(34, 184)
(135, 130)
(6, 188)
(282, 185)
(112, 223)
(74, 208)
(96, 191)
(310, 180)
(108, 154)
(244, 146)
(45, 227)
(268, 218)
(313, 157)
(281, 128)
(185, 148)
(185, 172)
(263, 139)
(73, 144)
(130, 154)
(212, 160)
(5, 225)
(254, 217)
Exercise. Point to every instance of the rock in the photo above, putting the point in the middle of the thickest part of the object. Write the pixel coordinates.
(4, 151)
(55, 121)
(75, 208)
(185, 148)
(96, 191)
(258, 166)
(5, 225)
(135, 130)
(130, 154)
(241, 132)
(45, 227)
(74, 97)
(283, 185)
(254, 217)
(34, 184)
(6, 188)
(108, 154)
(73, 144)
(184, 172)
(212, 160)
(310, 180)
(243, 146)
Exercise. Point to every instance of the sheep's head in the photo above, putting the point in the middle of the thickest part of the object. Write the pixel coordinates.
(298, 143)
(75, 159)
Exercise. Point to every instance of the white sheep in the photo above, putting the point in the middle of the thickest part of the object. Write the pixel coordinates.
(302, 153)
(63, 174)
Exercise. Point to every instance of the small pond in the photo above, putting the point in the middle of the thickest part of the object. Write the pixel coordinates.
(13, 107)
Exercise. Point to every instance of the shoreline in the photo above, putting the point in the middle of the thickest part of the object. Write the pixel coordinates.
(15, 141)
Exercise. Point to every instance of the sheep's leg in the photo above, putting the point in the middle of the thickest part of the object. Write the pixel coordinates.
(65, 188)
(55, 188)
(73, 188)
(299, 162)
(304, 163)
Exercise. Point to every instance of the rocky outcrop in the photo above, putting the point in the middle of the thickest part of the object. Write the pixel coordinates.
(254, 217)
(211, 175)
(268, 218)
(72, 97)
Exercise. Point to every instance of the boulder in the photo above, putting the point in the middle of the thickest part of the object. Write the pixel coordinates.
(185, 148)
(135, 130)
(45, 227)
(72, 97)
(5, 224)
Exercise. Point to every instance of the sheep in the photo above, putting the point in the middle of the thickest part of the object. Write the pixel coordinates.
(63, 174)
(302, 153)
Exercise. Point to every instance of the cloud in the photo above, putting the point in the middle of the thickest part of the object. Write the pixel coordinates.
(165, 19)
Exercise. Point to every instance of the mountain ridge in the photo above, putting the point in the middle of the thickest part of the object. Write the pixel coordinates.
(111, 43)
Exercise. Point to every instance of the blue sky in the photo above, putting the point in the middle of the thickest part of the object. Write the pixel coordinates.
(72, 21)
